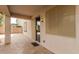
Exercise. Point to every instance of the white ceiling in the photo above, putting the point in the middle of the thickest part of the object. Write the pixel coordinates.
(29, 10)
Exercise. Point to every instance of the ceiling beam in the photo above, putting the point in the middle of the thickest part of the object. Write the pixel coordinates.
(20, 16)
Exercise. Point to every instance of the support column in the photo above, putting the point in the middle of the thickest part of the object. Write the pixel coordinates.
(7, 30)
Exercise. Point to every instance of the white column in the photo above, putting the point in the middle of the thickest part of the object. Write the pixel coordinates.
(7, 30)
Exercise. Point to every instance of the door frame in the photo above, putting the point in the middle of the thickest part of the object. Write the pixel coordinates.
(36, 20)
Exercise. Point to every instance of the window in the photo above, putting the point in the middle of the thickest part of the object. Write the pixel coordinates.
(13, 21)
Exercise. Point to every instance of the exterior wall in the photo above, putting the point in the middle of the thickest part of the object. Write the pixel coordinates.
(60, 44)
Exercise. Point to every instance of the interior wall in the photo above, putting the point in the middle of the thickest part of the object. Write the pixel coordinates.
(57, 43)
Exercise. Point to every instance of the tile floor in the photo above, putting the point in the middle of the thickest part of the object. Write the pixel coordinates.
(21, 44)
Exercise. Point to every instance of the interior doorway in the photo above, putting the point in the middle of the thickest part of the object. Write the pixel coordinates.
(38, 29)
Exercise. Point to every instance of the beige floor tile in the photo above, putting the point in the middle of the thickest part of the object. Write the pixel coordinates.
(21, 44)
